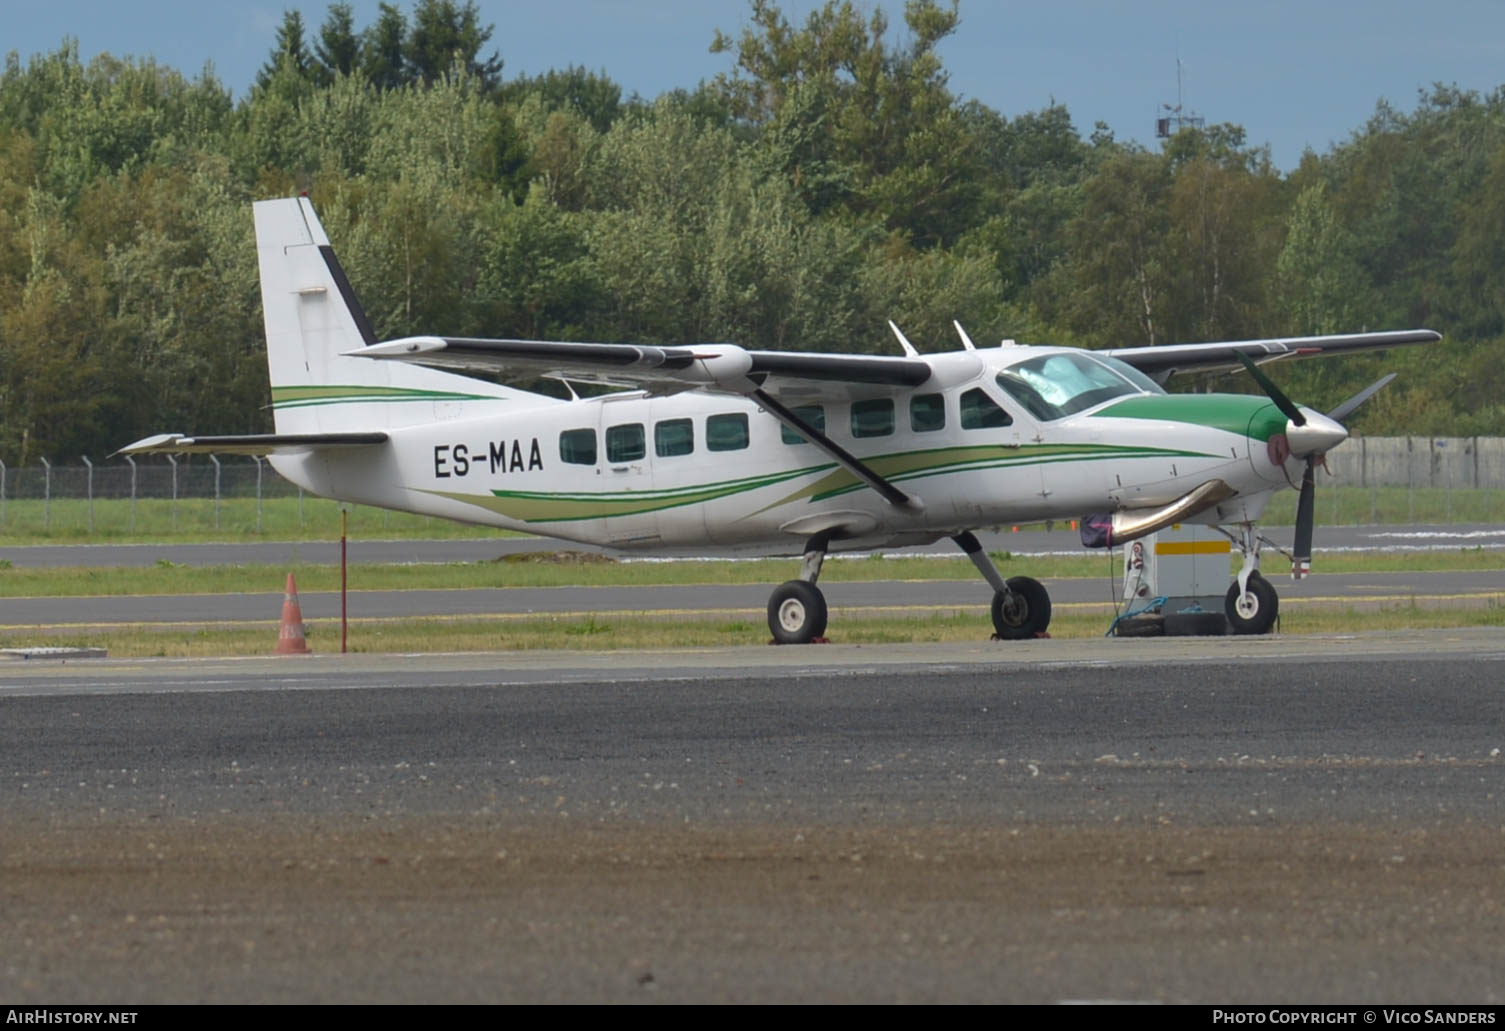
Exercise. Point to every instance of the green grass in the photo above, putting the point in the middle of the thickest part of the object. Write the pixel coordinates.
(193, 520)
(593, 571)
(606, 633)
(116, 520)
(1380, 506)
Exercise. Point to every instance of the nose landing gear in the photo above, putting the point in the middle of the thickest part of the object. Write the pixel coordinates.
(1251, 604)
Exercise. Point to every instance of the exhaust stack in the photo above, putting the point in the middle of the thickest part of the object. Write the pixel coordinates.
(1109, 529)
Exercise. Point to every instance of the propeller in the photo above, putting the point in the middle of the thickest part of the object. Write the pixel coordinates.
(1310, 436)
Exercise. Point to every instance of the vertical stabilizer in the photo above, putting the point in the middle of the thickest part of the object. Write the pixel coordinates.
(313, 318)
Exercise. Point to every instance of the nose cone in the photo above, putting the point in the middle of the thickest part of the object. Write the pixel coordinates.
(1319, 436)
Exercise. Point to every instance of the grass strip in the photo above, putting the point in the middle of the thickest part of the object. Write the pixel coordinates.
(572, 569)
(635, 631)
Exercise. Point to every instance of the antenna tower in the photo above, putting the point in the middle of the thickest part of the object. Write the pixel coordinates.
(1176, 118)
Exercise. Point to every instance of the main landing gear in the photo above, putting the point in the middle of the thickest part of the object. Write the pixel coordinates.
(1251, 604)
(797, 609)
(1021, 605)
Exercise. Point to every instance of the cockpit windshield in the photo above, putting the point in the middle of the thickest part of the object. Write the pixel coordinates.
(1059, 385)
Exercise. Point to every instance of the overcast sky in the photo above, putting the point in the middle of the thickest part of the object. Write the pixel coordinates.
(1293, 73)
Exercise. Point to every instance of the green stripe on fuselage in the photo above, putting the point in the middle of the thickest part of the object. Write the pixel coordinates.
(1244, 414)
(914, 465)
(566, 507)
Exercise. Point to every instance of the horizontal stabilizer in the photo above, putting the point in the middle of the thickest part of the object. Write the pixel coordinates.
(249, 443)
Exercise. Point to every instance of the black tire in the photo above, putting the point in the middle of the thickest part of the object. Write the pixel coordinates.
(1195, 624)
(1140, 626)
(797, 613)
(1022, 613)
(1257, 613)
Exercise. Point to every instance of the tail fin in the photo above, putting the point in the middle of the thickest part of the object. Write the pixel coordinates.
(313, 318)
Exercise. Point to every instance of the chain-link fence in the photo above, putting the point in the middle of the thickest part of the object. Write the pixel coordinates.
(1374, 480)
(230, 496)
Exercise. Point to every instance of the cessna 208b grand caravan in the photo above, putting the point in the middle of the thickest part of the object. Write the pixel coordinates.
(715, 448)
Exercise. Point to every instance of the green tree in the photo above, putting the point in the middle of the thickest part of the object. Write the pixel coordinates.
(444, 35)
(894, 125)
(1321, 284)
(536, 278)
(338, 49)
(383, 46)
(290, 51)
(591, 95)
(1121, 272)
(1224, 236)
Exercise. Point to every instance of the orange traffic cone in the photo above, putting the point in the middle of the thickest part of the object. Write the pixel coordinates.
(290, 639)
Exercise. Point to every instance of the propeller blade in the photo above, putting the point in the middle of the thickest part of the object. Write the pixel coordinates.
(1306, 507)
(1346, 409)
(1285, 404)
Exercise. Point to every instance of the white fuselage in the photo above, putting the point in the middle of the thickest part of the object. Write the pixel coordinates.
(704, 471)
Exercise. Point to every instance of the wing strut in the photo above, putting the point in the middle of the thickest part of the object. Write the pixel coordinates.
(893, 495)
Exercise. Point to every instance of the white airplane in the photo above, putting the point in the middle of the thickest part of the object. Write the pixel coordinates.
(713, 447)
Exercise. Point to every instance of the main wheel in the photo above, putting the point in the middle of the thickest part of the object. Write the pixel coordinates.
(1255, 612)
(797, 613)
(1023, 612)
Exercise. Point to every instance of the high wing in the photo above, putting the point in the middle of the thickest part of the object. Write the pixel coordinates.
(664, 370)
(792, 375)
(250, 444)
(1167, 360)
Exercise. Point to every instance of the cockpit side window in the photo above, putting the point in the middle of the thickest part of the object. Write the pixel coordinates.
(981, 412)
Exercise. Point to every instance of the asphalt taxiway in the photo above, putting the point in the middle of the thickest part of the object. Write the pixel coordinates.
(1262, 820)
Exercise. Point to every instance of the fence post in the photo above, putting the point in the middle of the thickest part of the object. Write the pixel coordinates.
(47, 497)
(174, 463)
(89, 479)
(216, 490)
(1411, 480)
(2, 494)
(258, 493)
(132, 461)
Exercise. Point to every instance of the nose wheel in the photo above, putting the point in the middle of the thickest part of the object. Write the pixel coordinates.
(1254, 610)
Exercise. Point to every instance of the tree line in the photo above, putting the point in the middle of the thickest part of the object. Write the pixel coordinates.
(825, 182)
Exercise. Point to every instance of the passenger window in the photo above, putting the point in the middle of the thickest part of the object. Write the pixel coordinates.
(673, 437)
(815, 415)
(726, 432)
(626, 443)
(981, 412)
(873, 418)
(927, 413)
(578, 447)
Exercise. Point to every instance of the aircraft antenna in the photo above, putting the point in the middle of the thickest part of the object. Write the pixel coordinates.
(966, 340)
(909, 350)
